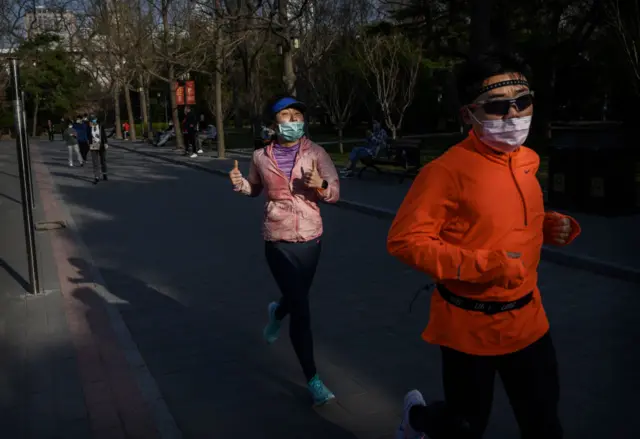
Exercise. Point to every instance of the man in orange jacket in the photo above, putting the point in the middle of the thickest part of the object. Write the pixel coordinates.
(474, 221)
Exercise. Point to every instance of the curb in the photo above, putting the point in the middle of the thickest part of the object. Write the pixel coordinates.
(556, 256)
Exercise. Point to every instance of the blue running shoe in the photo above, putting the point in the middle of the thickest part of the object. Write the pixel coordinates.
(319, 392)
(272, 330)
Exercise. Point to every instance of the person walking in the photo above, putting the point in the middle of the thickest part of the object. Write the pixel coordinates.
(474, 221)
(82, 135)
(50, 130)
(190, 131)
(295, 174)
(70, 137)
(98, 150)
(125, 130)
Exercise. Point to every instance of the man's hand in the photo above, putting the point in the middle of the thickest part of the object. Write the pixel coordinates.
(236, 176)
(312, 178)
(514, 272)
(558, 230)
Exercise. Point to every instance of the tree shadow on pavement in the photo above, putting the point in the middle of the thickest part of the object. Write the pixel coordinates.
(211, 383)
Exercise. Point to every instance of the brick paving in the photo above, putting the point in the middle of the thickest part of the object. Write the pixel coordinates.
(64, 373)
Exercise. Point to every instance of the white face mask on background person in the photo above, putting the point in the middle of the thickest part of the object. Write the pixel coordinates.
(504, 135)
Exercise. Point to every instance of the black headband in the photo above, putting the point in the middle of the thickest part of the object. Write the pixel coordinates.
(502, 84)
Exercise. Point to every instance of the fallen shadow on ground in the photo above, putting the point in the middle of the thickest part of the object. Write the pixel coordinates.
(232, 396)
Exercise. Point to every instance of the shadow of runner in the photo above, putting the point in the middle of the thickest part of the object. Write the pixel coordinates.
(88, 179)
(208, 372)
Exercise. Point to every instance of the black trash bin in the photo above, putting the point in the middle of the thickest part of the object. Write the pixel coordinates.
(592, 169)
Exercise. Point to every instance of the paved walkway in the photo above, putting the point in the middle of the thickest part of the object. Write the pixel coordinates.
(612, 242)
(64, 370)
(175, 261)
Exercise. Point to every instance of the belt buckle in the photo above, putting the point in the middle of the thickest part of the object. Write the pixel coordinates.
(498, 307)
(491, 308)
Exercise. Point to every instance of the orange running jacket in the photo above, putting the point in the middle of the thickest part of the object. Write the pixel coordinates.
(464, 212)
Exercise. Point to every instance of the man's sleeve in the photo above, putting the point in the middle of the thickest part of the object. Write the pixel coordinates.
(414, 237)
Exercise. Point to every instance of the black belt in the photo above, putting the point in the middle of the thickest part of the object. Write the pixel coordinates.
(483, 306)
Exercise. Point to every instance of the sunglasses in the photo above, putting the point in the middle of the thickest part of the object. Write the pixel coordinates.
(501, 107)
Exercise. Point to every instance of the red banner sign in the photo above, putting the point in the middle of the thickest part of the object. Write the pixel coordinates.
(190, 88)
(179, 94)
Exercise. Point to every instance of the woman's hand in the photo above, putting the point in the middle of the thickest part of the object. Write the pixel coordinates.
(312, 178)
(236, 176)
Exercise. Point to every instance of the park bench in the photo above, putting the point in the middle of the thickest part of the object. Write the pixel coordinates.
(403, 153)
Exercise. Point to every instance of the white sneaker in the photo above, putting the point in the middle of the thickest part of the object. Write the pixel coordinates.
(194, 155)
(200, 151)
(71, 165)
(404, 430)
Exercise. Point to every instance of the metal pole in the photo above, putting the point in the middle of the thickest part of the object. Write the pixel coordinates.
(27, 210)
(27, 150)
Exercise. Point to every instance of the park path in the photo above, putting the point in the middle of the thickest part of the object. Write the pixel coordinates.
(180, 259)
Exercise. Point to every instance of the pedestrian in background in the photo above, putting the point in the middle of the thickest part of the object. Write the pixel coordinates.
(98, 150)
(50, 130)
(295, 174)
(82, 135)
(189, 129)
(71, 139)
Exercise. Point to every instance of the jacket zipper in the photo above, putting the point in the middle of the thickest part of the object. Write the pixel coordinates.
(289, 183)
(524, 204)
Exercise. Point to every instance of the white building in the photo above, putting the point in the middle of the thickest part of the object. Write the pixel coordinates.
(58, 22)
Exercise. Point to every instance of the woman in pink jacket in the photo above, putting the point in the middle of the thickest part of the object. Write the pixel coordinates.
(295, 174)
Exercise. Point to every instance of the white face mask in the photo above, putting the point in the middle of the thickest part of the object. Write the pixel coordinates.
(505, 135)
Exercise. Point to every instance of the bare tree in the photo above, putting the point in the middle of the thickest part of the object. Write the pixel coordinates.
(176, 47)
(326, 53)
(624, 17)
(390, 65)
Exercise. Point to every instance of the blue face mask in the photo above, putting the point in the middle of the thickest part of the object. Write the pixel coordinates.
(291, 131)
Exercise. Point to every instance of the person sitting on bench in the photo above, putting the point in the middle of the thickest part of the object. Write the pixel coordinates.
(376, 140)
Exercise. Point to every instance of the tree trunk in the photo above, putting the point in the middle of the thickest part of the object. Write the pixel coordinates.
(174, 108)
(237, 116)
(150, 128)
(36, 108)
(256, 113)
(288, 72)
(340, 141)
(132, 120)
(116, 103)
(145, 112)
(219, 115)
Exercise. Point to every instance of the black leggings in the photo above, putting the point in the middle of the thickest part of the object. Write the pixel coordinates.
(84, 149)
(293, 265)
(529, 376)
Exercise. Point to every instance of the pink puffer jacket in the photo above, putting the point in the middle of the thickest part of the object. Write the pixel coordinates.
(291, 212)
